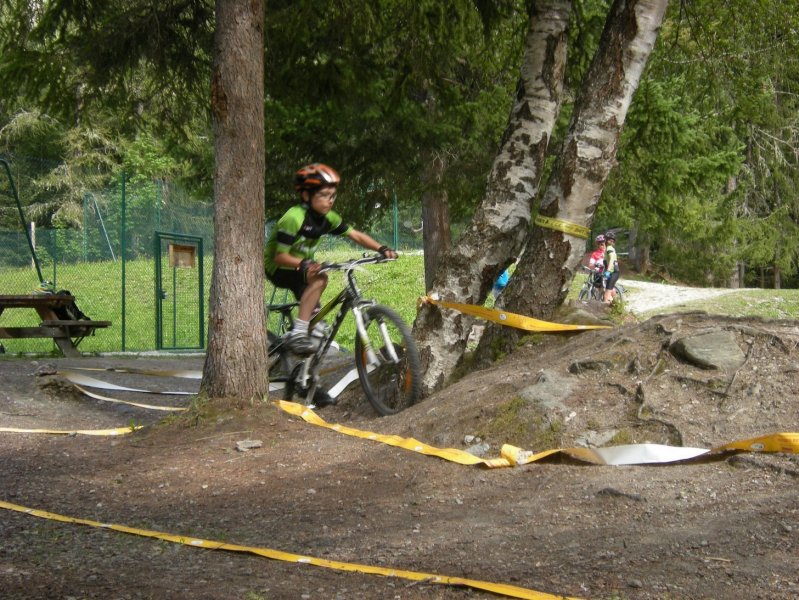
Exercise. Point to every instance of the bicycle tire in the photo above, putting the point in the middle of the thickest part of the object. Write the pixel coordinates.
(279, 367)
(389, 386)
(619, 293)
(583, 295)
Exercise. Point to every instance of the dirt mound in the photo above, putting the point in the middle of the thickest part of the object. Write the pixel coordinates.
(625, 385)
(722, 528)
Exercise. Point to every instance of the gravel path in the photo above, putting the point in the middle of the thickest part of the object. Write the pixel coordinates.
(644, 296)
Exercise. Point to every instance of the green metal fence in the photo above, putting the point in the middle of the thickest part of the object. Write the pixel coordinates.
(110, 263)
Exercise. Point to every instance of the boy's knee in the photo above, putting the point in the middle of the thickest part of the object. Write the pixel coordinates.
(319, 280)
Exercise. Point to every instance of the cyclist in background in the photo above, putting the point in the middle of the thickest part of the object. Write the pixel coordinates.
(611, 267)
(289, 252)
(596, 261)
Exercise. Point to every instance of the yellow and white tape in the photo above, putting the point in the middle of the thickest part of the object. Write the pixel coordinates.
(101, 432)
(511, 591)
(572, 229)
(85, 380)
(510, 319)
(510, 456)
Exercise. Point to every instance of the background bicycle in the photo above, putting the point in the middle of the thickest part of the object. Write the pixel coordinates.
(384, 354)
(593, 288)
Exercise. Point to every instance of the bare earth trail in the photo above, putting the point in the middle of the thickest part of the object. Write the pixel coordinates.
(645, 296)
(726, 528)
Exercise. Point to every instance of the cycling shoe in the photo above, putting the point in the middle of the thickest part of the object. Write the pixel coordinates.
(321, 399)
(300, 344)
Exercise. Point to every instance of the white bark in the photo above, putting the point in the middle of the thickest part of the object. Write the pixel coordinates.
(599, 118)
(500, 224)
(546, 269)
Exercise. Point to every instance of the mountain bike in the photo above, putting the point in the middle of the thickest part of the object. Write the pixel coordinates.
(386, 359)
(594, 287)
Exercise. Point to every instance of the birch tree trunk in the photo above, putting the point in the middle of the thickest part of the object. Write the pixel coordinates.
(546, 269)
(237, 347)
(497, 232)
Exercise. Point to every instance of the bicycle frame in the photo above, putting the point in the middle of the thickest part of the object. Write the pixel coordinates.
(589, 284)
(348, 299)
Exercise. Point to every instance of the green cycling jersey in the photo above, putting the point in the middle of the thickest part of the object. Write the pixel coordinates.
(299, 232)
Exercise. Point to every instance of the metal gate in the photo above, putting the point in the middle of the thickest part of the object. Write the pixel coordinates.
(179, 292)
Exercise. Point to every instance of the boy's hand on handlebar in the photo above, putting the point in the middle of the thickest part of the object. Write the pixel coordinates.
(387, 252)
(309, 267)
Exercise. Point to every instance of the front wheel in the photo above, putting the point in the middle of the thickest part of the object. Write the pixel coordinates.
(389, 366)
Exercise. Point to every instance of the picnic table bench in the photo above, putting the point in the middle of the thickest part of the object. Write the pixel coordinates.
(67, 334)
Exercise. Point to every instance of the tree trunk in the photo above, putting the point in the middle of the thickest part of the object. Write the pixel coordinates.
(435, 220)
(237, 346)
(638, 251)
(777, 277)
(545, 271)
(634, 256)
(496, 234)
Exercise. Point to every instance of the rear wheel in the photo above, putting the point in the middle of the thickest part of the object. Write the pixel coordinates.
(389, 371)
(619, 293)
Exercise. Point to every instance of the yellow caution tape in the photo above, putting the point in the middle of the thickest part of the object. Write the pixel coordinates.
(496, 588)
(450, 454)
(117, 431)
(511, 456)
(776, 442)
(563, 226)
(510, 319)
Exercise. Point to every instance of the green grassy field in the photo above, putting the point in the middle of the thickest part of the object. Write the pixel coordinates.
(399, 284)
(98, 291)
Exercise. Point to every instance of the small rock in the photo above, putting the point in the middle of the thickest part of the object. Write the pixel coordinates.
(245, 445)
(46, 369)
(479, 450)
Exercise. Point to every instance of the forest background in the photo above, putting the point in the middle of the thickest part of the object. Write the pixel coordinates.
(408, 100)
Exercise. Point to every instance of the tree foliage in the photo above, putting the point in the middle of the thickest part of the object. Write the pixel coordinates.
(373, 87)
(722, 88)
(708, 157)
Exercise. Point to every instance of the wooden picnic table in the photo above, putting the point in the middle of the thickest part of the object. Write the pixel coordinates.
(67, 334)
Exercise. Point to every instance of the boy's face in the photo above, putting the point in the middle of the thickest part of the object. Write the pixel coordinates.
(322, 200)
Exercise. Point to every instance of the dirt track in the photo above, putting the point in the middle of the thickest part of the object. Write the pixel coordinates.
(726, 528)
(645, 296)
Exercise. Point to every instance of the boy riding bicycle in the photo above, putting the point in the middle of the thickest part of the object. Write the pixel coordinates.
(289, 252)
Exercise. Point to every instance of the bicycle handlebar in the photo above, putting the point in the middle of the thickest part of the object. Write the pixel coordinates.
(355, 263)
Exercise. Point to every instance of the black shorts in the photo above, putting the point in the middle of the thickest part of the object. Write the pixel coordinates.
(614, 277)
(289, 279)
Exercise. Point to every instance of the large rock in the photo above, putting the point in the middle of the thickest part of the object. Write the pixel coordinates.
(716, 349)
(548, 391)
